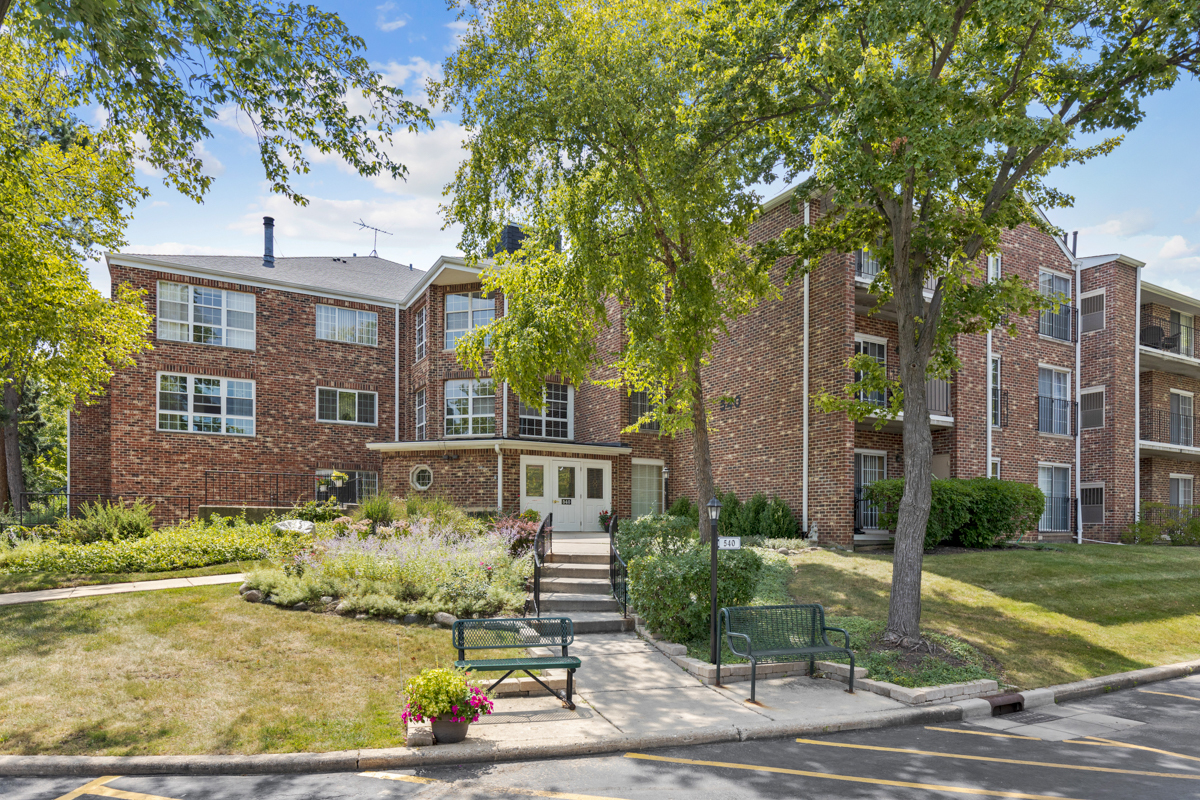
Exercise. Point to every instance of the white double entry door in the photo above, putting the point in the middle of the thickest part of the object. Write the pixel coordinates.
(574, 490)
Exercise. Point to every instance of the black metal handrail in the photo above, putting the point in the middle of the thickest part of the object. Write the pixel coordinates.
(1170, 337)
(1061, 324)
(1055, 415)
(1167, 427)
(618, 571)
(166, 509)
(276, 488)
(539, 559)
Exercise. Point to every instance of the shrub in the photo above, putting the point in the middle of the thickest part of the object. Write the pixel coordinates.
(1142, 532)
(111, 521)
(671, 590)
(750, 517)
(729, 524)
(518, 530)
(776, 521)
(683, 507)
(379, 509)
(315, 511)
(658, 534)
(443, 693)
(983, 512)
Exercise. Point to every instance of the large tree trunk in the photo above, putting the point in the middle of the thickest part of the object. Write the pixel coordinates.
(701, 454)
(14, 478)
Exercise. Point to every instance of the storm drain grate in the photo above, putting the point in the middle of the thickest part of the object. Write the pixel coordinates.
(1030, 717)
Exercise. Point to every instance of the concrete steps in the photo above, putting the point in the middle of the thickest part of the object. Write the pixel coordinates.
(575, 584)
(577, 558)
(576, 571)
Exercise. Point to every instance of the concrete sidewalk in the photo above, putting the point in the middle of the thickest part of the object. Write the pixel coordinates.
(17, 598)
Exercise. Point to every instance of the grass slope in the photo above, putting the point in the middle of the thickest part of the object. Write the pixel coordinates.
(1049, 617)
(34, 581)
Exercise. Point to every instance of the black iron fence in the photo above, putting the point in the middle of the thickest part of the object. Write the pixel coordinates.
(47, 508)
(539, 560)
(224, 487)
(866, 512)
(1056, 415)
(1170, 337)
(1167, 427)
(867, 266)
(1061, 324)
(618, 572)
(1057, 515)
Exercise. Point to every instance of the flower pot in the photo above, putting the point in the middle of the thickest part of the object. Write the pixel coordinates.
(338, 484)
(446, 732)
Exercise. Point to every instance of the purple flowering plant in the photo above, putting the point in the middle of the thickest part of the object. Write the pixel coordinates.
(442, 693)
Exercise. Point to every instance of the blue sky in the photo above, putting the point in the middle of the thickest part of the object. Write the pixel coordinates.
(1142, 200)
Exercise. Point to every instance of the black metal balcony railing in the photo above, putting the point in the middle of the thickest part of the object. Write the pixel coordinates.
(1057, 514)
(223, 487)
(937, 394)
(1056, 416)
(1168, 336)
(1166, 427)
(866, 513)
(867, 267)
(1060, 324)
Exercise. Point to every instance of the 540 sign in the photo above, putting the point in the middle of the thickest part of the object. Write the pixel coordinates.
(730, 403)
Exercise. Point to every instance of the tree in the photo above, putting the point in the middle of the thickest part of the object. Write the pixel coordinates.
(65, 190)
(934, 126)
(582, 125)
(165, 69)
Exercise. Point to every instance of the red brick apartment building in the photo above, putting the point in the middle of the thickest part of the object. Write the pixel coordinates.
(303, 366)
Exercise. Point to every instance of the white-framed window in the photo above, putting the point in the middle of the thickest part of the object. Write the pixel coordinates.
(1182, 423)
(470, 407)
(994, 469)
(1180, 334)
(420, 327)
(347, 406)
(1091, 503)
(640, 406)
(866, 263)
(993, 267)
(1091, 408)
(876, 348)
(1052, 323)
(1055, 482)
(647, 487)
(1054, 400)
(359, 484)
(869, 466)
(1091, 311)
(419, 415)
(555, 419)
(1181, 490)
(203, 315)
(994, 393)
(420, 477)
(347, 325)
(466, 311)
(205, 404)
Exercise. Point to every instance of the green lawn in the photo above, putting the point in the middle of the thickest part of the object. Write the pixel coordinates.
(1048, 617)
(33, 581)
(200, 671)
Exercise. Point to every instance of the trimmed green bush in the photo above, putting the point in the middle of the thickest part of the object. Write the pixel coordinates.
(1178, 525)
(111, 521)
(657, 534)
(683, 507)
(671, 590)
(982, 512)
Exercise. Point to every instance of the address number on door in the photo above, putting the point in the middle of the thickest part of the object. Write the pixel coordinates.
(566, 501)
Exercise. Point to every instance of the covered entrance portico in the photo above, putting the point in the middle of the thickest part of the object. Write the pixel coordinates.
(575, 490)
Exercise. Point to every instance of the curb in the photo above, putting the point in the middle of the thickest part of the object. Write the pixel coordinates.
(474, 752)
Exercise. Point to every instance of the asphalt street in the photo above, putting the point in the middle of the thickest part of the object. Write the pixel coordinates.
(1157, 759)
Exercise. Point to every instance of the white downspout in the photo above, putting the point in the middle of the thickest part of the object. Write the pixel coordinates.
(499, 479)
(1137, 400)
(1078, 428)
(990, 410)
(504, 414)
(396, 396)
(804, 490)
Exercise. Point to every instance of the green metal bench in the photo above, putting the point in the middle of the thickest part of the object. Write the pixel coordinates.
(771, 633)
(518, 632)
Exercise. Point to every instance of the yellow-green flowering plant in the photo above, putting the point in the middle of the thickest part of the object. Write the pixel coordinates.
(442, 694)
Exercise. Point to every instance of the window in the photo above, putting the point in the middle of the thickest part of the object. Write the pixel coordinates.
(470, 408)
(1054, 405)
(868, 468)
(647, 489)
(866, 264)
(1055, 483)
(1091, 504)
(202, 404)
(344, 405)
(419, 408)
(876, 349)
(1180, 337)
(535, 480)
(1091, 308)
(994, 469)
(203, 315)
(554, 419)
(465, 311)
(420, 477)
(347, 325)
(994, 267)
(595, 483)
(640, 406)
(420, 333)
(995, 391)
(1056, 323)
(1181, 491)
(1181, 418)
(359, 484)
(1091, 409)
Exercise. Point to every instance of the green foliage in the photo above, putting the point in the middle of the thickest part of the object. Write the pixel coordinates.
(109, 521)
(671, 590)
(684, 507)
(42, 437)
(731, 508)
(1179, 526)
(1142, 532)
(443, 693)
(655, 534)
(317, 511)
(379, 509)
(759, 517)
(982, 512)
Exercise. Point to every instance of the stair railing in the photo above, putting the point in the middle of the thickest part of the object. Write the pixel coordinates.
(539, 560)
(618, 572)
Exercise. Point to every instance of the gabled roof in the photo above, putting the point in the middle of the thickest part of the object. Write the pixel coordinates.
(1094, 261)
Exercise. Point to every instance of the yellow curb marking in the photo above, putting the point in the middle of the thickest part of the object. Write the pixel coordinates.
(1099, 742)
(982, 733)
(394, 776)
(1171, 694)
(995, 760)
(98, 787)
(852, 778)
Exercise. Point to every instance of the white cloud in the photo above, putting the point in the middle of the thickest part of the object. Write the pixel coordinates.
(1129, 223)
(160, 204)
(388, 25)
(432, 157)
(1177, 247)
(212, 164)
(457, 28)
(182, 249)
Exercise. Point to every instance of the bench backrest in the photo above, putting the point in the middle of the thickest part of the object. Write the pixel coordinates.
(779, 627)
(488, 634)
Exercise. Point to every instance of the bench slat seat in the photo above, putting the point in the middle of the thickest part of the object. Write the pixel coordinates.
(496, 664)
(518, 633)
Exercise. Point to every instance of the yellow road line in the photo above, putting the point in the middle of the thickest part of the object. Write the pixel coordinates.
(1171, 694)
(981, 733)
(85, 789)
(995, 760)
(934, 787)
(1110, 743)
(393, 776)
(98, 787)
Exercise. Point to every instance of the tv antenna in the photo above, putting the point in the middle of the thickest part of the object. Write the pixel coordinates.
(364, 226)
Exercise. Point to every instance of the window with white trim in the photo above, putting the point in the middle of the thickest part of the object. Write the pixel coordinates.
(869, 466)
(640, 406)
(470, 407)
(466, 311)
(993, 267)
(1091, 503)
(876, 348)
(205, 404)
(1054, 401)
(1181, 491)
(346, 406)
(994, 469)
(647, 486)
(359, 484)
(203, 315)
(994, 378)
(1055, 483)
(1091, 408)
(419, 333)
(419, 411)
(338, 324)
(554, 420)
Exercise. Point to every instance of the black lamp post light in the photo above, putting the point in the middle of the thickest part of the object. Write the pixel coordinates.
(714, 513)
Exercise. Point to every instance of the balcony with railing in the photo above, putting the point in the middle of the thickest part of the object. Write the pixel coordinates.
(1166, 336)
(867, 267)
(1060, 323)
(937, 398)
(1056, 416)
(1174, 430)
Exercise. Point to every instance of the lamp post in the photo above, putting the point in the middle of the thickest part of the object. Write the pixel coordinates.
(714, 513)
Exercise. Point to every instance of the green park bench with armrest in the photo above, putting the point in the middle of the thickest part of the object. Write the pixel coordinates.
(770, 633)
(518, 633)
